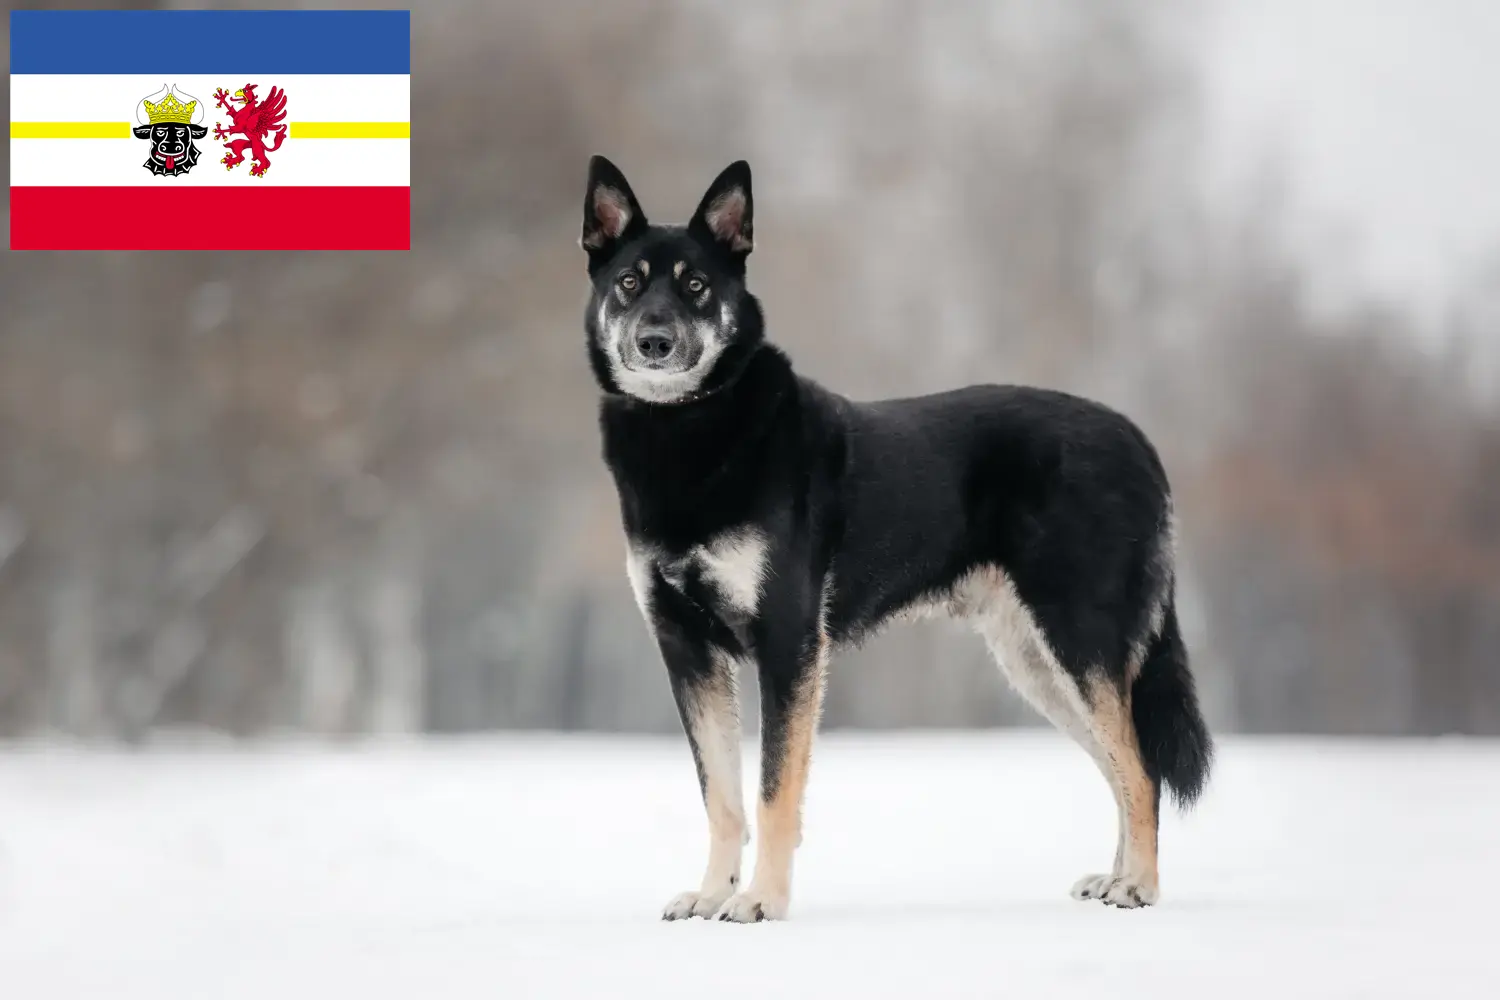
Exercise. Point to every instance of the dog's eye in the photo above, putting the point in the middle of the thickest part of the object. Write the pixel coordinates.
(696, 285)
(629, 281)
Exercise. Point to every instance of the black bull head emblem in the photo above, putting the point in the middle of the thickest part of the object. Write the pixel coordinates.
(172, 149)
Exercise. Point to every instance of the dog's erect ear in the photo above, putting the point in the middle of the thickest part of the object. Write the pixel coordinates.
(610, 211)
(726, 214)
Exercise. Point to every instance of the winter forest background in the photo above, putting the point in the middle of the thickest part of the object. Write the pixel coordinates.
(343, 493)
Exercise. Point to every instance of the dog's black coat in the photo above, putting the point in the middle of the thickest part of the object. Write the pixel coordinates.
(870, 508)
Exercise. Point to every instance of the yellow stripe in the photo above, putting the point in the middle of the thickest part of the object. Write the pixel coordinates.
(121, 130)
(70, 130)
(351, 130)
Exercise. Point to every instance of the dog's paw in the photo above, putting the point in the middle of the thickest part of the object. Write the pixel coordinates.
(1091, 886)
(752, 906)
(695, 904)
(1131, 893)
(1122, 891)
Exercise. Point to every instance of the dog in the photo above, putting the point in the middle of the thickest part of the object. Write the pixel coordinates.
(770, 521)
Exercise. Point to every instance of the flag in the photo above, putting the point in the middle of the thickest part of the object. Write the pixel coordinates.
(210, 130)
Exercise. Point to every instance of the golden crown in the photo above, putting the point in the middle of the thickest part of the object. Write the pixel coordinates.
(170, 109)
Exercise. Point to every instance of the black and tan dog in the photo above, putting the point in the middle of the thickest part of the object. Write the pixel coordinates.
(770, 521)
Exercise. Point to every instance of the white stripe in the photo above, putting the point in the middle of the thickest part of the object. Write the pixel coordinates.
(309, 97)
(120, 162)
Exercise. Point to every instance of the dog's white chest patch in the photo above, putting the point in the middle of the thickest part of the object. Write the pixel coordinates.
(732, 566)
(735, 564)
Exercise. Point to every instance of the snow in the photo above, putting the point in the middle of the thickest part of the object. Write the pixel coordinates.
(933, 865)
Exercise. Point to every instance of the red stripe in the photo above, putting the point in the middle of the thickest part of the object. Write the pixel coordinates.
(210, 218)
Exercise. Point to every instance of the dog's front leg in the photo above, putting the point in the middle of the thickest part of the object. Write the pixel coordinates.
(704, 686)
(791, 689)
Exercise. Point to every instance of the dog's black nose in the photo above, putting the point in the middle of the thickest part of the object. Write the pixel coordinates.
(654, 346)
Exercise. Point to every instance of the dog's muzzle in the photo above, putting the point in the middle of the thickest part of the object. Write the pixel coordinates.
(654, 345)
(657, 347)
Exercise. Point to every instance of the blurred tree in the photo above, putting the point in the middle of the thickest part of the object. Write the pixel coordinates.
(346, 492)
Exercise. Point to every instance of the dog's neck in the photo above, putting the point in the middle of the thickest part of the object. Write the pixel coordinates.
(679, 450)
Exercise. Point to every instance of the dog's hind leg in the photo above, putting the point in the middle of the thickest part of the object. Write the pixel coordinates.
(1134, 879)
(1153, 732)
(1098, 720)
(1101, 724)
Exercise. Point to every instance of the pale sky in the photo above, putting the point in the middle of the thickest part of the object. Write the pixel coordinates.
(1385, 115)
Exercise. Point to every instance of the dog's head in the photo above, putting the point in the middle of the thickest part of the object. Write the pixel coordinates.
(670, 319)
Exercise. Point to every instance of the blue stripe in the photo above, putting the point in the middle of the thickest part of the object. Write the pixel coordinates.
(210, 41)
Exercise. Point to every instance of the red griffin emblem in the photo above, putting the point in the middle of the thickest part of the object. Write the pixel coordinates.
(255, 121)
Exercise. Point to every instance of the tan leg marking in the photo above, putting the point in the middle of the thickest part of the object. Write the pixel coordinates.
(1134, 880)
(1101, 725)
(779, 821)
(715, 722)
(1094, 886)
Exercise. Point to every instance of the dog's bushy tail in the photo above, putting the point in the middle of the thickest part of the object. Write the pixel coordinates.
(1175, 744)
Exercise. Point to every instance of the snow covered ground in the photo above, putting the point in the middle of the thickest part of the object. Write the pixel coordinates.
(934, 865)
